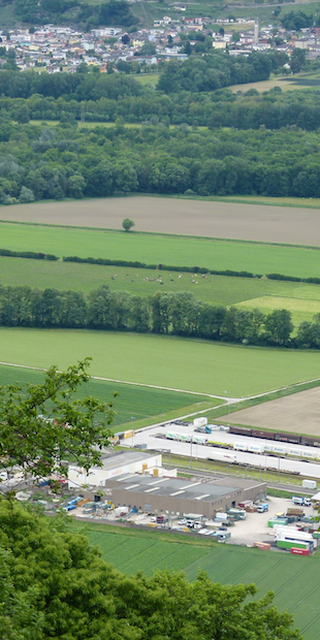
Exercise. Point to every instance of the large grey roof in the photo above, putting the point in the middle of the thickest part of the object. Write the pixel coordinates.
(174, 487)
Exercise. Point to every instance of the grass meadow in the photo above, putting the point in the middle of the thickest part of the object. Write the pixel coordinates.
(132, 404)
(181, 364)
(165, 249)
(293, 579)
(301, 299)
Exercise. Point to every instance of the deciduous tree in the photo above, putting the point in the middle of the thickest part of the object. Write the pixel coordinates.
(43, 425)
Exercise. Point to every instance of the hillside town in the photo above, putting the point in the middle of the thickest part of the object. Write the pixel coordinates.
(59, 48)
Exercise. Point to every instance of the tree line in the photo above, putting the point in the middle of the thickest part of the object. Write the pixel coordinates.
(274, 110)
(197, 74)
(178, 314)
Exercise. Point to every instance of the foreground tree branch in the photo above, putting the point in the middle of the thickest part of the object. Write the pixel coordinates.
(41, 425)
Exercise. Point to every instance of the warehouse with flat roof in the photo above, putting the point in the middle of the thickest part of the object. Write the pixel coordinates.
(113, 465)
(176, 496)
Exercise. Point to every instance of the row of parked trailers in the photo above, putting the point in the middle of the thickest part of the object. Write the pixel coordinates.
(266, 449)
(195, 439)
(276, 435)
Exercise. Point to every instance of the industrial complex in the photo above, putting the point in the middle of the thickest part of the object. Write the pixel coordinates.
(138, 480)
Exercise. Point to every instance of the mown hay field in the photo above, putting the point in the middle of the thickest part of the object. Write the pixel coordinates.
(300, 309)
(165, 361)
(294, 579)
(165, 249)
(298, 413)
(183, 216)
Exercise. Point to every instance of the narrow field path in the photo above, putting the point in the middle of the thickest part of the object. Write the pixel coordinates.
(135, 384)
(224, 399)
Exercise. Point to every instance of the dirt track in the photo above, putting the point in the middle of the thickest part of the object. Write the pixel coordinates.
(184, 217)
(298, 413)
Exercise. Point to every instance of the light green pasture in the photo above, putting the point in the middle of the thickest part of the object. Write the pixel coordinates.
(85, 277)
(300, 309)
(192, 365)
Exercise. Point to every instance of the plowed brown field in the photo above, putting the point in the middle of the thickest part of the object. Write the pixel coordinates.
(290, 225)
(298, 413)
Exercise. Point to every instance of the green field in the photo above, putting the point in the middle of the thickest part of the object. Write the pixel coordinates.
(166, 249)
(132, 403)
(85, 277)
(300, 309)
(294, 580)
(181, 364)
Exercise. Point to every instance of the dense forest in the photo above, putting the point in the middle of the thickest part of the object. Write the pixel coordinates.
(40, 162)
(180, 314)
(190, 141)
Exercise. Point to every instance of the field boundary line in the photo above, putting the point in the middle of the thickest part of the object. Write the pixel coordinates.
(155, 386)
(137, 384)
(228, 400)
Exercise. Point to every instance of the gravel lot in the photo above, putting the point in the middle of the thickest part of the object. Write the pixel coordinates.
(245, 532)
(255, 527)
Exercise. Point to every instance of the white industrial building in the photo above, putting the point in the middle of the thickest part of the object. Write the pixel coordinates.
(114, 465)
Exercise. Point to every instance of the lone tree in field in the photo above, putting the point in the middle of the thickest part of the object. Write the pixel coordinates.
(127, 224)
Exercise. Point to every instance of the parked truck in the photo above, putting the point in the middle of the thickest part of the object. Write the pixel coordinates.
(302, 500)
(262, 508)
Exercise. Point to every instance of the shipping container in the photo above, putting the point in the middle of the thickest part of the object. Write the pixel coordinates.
(240, 446)
(309, 484)
(256, 448)
(128, 434)
(200, 422)
(278, 450)
(262, 545)
(199, 440)
(294, 452)
(275, 521)
(300, 552)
